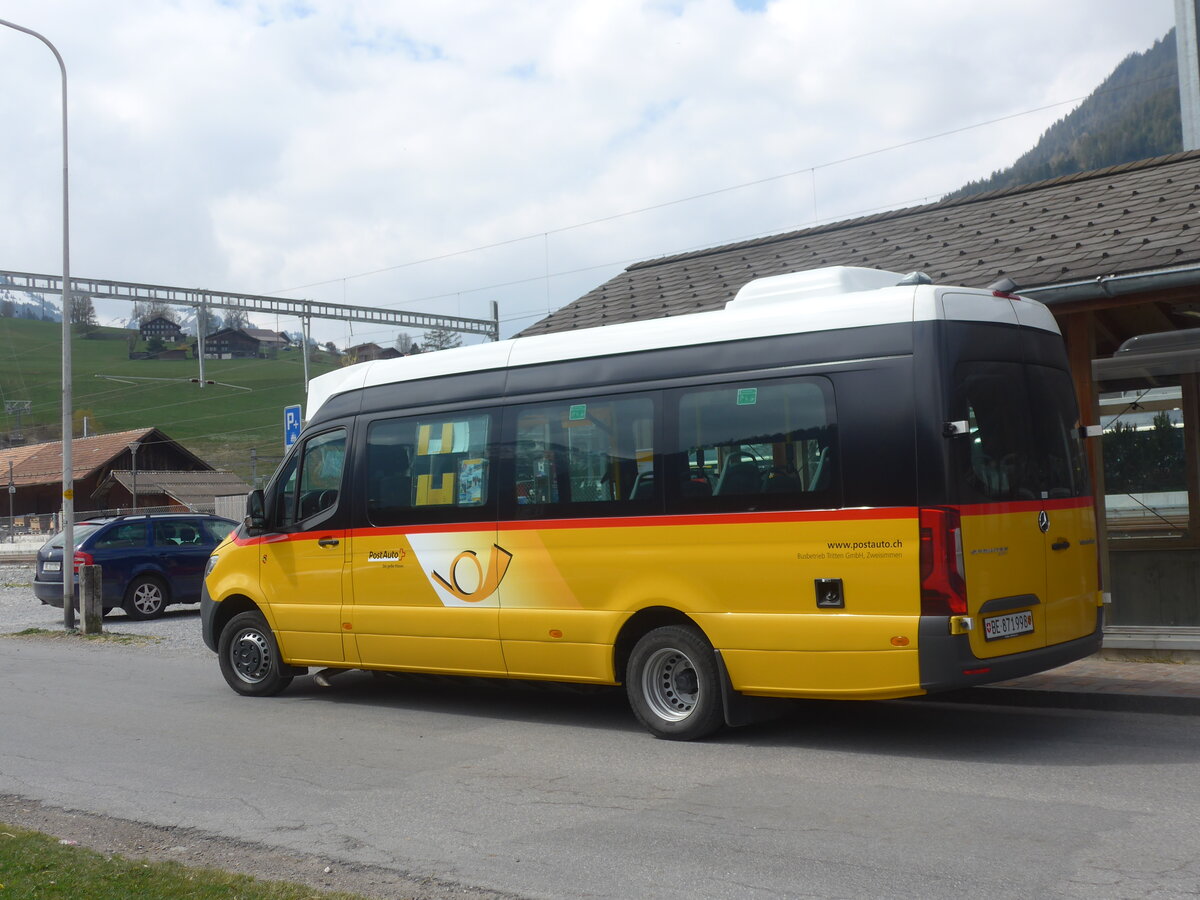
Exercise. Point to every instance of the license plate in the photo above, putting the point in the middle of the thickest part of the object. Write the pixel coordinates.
(52, 567)
(1008, 625)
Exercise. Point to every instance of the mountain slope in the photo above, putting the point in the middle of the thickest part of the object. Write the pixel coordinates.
(1133, 114)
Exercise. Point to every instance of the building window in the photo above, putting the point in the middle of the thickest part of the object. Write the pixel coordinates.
(1145, 464)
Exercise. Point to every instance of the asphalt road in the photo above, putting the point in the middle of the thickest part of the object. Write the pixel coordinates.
(554, 793)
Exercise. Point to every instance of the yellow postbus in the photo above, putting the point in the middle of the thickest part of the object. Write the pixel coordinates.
(846, 484)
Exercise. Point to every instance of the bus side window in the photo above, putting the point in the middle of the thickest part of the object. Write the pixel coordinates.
(310, 481)
(419, 464)
(755, 445)
(585, 456)
(321, 472)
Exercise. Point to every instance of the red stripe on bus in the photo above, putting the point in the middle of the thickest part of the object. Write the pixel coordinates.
(1023, 506)
(745, 518)
(665, 521)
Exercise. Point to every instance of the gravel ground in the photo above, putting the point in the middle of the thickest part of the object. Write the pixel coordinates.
(178, 631)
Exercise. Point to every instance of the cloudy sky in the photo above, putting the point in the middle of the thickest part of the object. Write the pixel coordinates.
(438, 156)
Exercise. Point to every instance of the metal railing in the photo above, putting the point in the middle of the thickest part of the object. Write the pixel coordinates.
(46, 525)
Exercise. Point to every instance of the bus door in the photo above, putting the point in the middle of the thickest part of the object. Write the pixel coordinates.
(302, 557)
(1067, 517)
(584, 478)
(425, 566)
(1027, 530)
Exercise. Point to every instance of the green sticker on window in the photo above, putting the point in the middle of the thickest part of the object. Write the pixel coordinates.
(578, 412)
(747, 396)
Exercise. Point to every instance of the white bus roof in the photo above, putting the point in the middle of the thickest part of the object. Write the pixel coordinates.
(795, 303)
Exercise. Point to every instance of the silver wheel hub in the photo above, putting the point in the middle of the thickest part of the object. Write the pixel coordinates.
(147, 598)
(670, 685)
(250, 655)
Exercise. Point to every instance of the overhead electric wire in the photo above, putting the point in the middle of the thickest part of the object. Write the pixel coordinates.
(716, 191)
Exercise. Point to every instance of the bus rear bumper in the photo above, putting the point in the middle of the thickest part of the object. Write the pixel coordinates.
(947, 662)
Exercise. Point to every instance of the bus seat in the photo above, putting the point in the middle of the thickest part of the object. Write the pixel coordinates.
(643, 486)
(782, 481)
(391, 491)
(820, 477)
(740, 476)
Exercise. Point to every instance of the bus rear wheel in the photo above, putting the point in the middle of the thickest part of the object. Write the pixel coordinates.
(673, 685)
(249, 656)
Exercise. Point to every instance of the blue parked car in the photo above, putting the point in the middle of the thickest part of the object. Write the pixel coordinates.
(147, 562)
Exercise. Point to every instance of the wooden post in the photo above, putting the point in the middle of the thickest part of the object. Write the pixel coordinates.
(91, 602)
(1189, 386)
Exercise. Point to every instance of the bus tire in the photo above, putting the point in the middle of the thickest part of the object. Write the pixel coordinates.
(673, 684)
(249, 656)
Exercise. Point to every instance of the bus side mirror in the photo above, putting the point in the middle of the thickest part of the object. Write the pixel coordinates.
(256, 514)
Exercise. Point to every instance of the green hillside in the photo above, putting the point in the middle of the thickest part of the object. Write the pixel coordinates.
(1133, 114)
(219, 424)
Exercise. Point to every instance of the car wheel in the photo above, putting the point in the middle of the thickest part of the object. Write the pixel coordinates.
(146, 598)
(249, 656)
(673, 684)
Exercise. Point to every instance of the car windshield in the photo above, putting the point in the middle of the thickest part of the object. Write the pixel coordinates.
(81, 532)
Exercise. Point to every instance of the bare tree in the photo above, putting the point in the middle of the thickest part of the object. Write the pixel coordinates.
(237, 318)
(441, 339)
(82, 311)
(145, 310)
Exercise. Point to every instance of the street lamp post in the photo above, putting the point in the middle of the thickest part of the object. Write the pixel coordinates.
(12, 489)
(68, 481)
(133, 449)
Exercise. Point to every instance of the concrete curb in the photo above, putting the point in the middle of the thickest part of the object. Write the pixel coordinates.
(1108, 701)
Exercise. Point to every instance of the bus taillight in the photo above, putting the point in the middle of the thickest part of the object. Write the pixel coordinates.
(943, 587)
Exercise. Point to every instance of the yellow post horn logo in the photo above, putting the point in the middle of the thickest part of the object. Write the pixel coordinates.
(486, 584)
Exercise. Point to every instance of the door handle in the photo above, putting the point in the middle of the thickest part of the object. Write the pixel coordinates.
(328, 542)
(1060, 544)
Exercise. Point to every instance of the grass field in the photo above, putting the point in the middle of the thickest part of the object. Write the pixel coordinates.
(219, 424)
(34, 865)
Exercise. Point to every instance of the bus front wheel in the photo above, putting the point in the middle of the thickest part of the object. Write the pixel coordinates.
(673, 684)
(249, 656)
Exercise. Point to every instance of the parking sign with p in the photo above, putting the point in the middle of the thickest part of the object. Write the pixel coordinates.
(291, 425)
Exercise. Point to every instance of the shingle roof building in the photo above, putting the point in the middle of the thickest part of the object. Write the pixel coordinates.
(37, 468)
(1130, 218)
(1114, 253)
(193, 491)
(42, 463)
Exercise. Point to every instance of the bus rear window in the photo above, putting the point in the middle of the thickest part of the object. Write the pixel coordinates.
(1023, 441)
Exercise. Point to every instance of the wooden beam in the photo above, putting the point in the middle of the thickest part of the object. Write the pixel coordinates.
(1182, 294)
